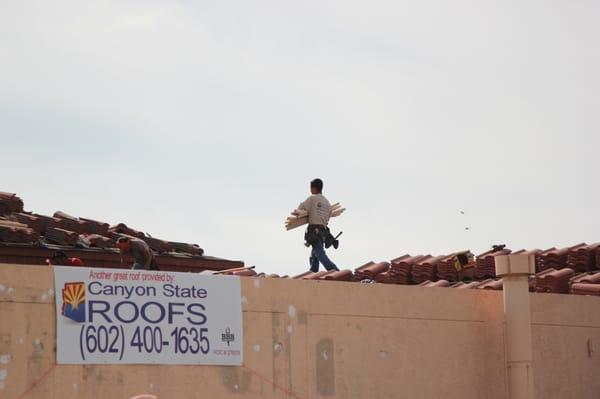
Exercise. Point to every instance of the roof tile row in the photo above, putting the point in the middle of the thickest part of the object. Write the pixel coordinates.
(21, 229)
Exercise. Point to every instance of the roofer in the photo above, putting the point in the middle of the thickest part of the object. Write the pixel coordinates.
(317, 232)
(143, 257)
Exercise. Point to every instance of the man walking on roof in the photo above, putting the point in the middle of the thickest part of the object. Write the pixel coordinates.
(319, 211)
(143, 257)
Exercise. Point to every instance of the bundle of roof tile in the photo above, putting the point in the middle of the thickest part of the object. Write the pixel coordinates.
(552, 280)
(583, 258)
(556, 258)
(299, 217)
(122, 228)
(453, 267)
(94, 227)
(68, 222)
(9, 203)
(401, 268)
(587, 278)
(425, 269)
(485, 265)
(187, 248)
(370, 270)
(61, 236)
(386, 278)
(99, 241)
(46, 221)
(16, 232)
(157, 244)
(33, 222)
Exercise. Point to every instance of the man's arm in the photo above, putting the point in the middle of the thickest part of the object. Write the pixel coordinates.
(305, 206)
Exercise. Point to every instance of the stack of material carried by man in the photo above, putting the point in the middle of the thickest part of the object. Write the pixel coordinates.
(299, 217)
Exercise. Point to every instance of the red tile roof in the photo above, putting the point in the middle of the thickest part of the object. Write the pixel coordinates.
(30, 238)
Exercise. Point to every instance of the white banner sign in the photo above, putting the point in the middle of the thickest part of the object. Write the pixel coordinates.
(116, 316)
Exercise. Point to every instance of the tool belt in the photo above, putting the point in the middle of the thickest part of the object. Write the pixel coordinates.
(316, 232)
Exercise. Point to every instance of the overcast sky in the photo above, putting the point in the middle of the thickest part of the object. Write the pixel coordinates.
(205, 121)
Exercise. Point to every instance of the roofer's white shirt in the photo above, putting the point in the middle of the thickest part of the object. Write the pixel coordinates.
(318, 208)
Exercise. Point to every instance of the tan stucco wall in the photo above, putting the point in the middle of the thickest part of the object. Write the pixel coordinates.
(310, 339)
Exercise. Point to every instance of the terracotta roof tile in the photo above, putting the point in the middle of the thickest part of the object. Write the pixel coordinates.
(585, 289)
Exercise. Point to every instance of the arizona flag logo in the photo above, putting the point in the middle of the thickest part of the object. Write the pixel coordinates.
(73, 307)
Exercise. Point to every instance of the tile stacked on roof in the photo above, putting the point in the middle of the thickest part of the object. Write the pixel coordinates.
(78, 235)
(370, 270)
(457, 266)
(193, 249)
(556, 258)
(583, 258)
(60, 236)
(99, 241)
(95, 227)
(401, 268)
(552, 280)
(122, 228)
(485, 266)
(16, 232)
(9, 203)
(426, 269)
(33, 222)
(68, 222)
(589, 278)
(585, 289)
(158, 245)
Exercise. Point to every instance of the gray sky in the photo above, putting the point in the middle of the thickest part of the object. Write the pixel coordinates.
(205, 121)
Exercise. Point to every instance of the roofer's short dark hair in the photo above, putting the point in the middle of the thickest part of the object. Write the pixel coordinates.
(317, 183)
(123, 239)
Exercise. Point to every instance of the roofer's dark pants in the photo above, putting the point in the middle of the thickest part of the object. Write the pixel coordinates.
(318, 255)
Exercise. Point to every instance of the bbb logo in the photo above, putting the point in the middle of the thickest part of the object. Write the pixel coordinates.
(227, 336)
(73, 296)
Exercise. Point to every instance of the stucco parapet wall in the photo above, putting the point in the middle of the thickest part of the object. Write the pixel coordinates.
(32, 284)
(315, 339)
(565, 310)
